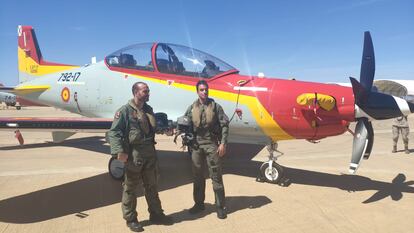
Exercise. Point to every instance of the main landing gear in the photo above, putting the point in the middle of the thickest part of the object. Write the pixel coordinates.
(271, 171)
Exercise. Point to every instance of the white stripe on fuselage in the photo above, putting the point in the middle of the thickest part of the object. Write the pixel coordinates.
(250, 88)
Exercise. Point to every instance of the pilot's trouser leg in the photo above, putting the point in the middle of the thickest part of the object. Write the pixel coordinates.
(150, 180)
(215, 170)
(405, 131)
(199, 183)
(129, 195)
(395, 135)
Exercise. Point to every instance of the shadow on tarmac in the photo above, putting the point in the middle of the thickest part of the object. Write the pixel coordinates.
(100, 190)
(233, 204)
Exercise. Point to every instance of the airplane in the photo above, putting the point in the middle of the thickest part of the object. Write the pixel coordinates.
(262, 110)
(400, 88)
(396, 87)
(9, 100)
(15, 101)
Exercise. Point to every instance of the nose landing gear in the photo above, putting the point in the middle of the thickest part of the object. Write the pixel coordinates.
(271, 171)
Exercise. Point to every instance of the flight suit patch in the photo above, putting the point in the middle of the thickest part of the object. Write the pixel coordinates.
(117, 115)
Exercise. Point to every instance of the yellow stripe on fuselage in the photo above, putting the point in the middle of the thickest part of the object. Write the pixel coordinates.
(29, 66)
(265, 121)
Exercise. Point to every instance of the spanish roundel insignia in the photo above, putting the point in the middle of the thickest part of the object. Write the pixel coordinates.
(117, 114)
(65, 94)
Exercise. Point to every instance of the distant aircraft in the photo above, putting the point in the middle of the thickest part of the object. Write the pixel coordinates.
(262, 110)
(15, 101)
(396, 87)
(8, 99)
(400, 88)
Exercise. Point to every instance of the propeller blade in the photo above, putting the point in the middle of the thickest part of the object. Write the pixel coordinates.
(368, 63)
(360, 94)
(370, 140)
(381, 106)
(360, 143)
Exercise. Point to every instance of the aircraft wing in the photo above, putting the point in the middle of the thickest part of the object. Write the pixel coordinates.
(57, 124)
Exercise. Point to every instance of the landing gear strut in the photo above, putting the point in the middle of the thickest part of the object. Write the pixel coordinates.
(271, 171)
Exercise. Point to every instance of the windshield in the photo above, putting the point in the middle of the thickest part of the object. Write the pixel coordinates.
(136, 56)
(181, 60)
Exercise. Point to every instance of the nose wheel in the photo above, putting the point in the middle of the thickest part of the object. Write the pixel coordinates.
(116, 168)
(271, 171)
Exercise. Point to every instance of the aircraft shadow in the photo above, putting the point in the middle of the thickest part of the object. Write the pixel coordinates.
(100, 190)
(239, 163)
(351, 183)
(175, 170)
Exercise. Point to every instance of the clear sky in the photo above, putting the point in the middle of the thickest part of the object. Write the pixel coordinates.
(309, 40)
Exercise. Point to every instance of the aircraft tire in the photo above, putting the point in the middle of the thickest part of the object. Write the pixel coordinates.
(116, 169)
(18, 107)
(272, 175)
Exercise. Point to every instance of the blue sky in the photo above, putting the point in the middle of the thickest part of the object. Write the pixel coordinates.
(309, 40)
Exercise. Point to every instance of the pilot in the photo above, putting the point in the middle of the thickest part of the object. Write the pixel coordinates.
(132, 140)
(400, 125)
(210, 69)
(210, 127)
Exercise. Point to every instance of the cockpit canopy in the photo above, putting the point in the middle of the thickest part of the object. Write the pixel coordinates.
(170, 59)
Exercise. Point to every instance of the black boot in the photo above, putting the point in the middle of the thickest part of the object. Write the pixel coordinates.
(197, 208)
(160, 219)
(221, 212)
(134, 226)
(221, 204)
(406, 149)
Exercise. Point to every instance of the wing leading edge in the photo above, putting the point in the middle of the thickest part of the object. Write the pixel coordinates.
(75, 125)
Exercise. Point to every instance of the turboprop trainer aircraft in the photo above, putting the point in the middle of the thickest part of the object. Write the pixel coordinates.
(262, 110)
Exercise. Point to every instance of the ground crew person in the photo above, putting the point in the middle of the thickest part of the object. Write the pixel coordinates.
(131, 139)
(400, 124)
(210, 129)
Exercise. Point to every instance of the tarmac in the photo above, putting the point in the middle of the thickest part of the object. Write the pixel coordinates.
(65, 187)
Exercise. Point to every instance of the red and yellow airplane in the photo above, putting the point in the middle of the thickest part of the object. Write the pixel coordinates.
(263, 110)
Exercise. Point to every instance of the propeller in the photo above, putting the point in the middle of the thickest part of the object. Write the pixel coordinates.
(371, 106)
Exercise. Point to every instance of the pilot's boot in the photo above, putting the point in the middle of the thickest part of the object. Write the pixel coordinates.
(394, 149)
(221, 204)
(406, 149)
(197, 208)
(134, 226)
(221, 212)
(160, 219)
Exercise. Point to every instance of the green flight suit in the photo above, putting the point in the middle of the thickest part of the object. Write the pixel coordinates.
(211, 127)
(133, 132)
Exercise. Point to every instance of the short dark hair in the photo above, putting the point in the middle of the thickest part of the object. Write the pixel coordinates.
(201, 82)
(135, 87)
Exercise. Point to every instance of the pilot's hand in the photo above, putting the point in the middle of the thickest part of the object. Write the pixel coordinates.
(221, 150)
(122, 157)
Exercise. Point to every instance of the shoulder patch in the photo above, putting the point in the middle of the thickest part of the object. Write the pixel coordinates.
(117, 115)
